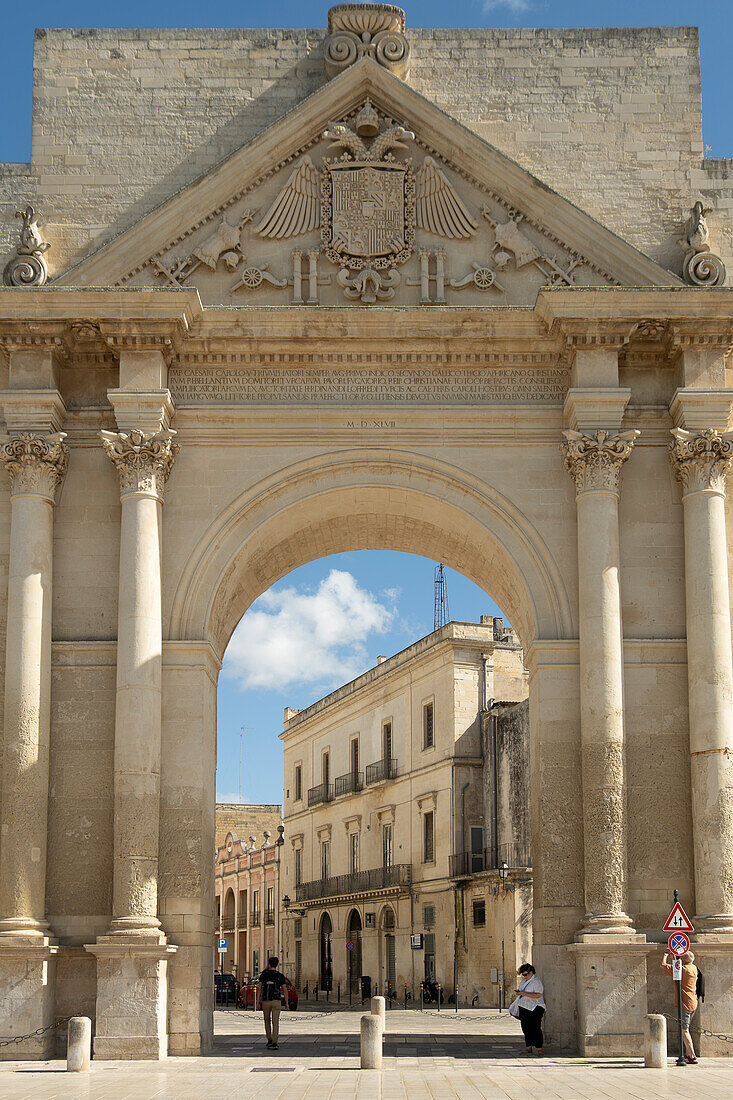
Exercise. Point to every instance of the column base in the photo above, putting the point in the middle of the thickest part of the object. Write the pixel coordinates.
(27, 994)
(610, 973)
(132, 996)
(714, 956)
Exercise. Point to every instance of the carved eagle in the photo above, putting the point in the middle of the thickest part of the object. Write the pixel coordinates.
(297, 209)
(437, 205)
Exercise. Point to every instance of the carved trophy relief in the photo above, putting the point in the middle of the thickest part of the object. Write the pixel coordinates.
(700, 266)
(28, 267)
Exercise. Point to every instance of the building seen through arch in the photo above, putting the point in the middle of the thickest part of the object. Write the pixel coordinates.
(425, 798)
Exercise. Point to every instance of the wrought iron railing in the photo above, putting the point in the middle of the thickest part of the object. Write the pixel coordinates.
(344, 784)
(322, 793)
(269, 916)
(242, 920)
(490, 859)
(360, 882)
(382, 769)
(255, 918)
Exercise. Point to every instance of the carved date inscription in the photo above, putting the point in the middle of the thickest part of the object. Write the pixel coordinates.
(356, 386)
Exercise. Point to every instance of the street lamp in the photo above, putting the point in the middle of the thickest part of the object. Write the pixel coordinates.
(503, 872)
(286, 903)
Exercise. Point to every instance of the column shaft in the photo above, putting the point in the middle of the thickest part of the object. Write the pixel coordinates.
(36, 464)
(702, 461)
(138, 715)
(595, 462)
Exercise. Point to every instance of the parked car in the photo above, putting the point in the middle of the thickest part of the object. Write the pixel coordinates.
(247, 995)
(226, 988)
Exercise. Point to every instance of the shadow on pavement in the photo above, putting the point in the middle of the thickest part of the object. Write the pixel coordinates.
(396, 1045)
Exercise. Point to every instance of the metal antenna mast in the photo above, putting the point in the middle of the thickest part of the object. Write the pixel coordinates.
(442, 611)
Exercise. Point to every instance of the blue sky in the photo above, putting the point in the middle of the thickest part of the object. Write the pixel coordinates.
(328, 621)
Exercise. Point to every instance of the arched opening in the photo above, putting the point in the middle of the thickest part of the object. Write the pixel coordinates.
(229, 931)
(353, 947)
(325, 969)
(335, 505)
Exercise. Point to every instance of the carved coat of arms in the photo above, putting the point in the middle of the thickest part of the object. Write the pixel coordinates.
(367, 202)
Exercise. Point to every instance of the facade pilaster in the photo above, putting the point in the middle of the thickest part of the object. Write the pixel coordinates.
(36, 464)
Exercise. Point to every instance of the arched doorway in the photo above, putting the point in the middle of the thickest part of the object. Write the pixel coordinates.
(353, 946)
(388, 950)
(325, 967)
(229, 932)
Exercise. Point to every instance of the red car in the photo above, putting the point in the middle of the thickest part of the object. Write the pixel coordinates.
(247, 995)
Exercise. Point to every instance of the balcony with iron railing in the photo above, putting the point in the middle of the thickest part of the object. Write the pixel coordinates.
(382, 769)
(515, 857)
(322, 793)
(346, 784)
(269, 916)
(242, 920)
(255, 918)
(227, 925)
(359, 882)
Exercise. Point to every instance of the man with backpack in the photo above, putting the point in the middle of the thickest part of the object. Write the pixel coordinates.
(273, 987)
(692, 988)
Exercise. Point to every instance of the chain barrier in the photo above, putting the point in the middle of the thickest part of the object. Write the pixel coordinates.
(700, 1030)
(34, 1034)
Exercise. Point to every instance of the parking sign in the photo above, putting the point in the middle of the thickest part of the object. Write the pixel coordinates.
(222, 945)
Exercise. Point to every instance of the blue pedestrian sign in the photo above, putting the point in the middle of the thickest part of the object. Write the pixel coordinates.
(222, 945)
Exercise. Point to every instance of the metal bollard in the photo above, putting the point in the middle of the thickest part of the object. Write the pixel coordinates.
(371, 1042)
(79, 1050)
(339, 992)
(378, 1007)
(655, 1042)
(440, 994)
(422, 995)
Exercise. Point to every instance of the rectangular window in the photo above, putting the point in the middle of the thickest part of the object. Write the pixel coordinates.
(387, 854)
(354, 853)
(298, 923)
(256, 963)
(326, 859)
(255, 904)
(428, 838)
(479, 912)
(243, 908)
(270, 899)
(387, 746)
(428, 732)
(325, 769)
(355, 759)
(428, 915)
(298, 866)
(298, 782)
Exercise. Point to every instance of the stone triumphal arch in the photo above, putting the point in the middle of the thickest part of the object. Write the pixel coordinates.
(369, 325)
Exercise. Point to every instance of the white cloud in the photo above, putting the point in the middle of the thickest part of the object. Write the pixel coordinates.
(516, 7)
(234, 799)
(290, 637)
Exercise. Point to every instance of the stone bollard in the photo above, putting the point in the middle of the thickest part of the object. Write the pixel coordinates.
(655, 1042)
(371, 1042)
(379, 1008)
(79, 1048)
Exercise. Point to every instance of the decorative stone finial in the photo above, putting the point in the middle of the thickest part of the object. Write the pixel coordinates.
(28, 266)
(367, 30)
(700, 267)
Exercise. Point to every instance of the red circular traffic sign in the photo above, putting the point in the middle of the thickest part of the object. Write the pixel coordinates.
(679, 943)
(349, 946)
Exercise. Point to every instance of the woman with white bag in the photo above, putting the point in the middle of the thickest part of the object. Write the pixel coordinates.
(529, 1006)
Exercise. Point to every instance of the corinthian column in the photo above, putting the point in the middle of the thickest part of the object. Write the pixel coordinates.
(701, 461)
(143, 461)
(595, 461)
(36, 465)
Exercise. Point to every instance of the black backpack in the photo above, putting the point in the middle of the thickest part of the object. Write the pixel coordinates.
(700, 985)
(272, 986)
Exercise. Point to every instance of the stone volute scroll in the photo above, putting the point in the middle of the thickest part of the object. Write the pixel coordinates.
(595, 461)
(700, 267)
(28, 266)
(367, 30)
(35, 463)
(143, 459)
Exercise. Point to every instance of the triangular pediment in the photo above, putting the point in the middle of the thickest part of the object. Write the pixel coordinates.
(397, 203)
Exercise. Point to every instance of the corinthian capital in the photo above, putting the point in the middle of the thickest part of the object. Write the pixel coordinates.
(35, 463)
(594, 461)
(143, 459)
(701, 460)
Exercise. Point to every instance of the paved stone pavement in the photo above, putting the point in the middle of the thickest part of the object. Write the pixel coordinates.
(471, 1055)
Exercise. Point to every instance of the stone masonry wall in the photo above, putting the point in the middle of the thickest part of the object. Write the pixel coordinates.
(611, 118)
(246, 820)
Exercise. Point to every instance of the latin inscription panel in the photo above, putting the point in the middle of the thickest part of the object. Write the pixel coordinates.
(367, 386)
